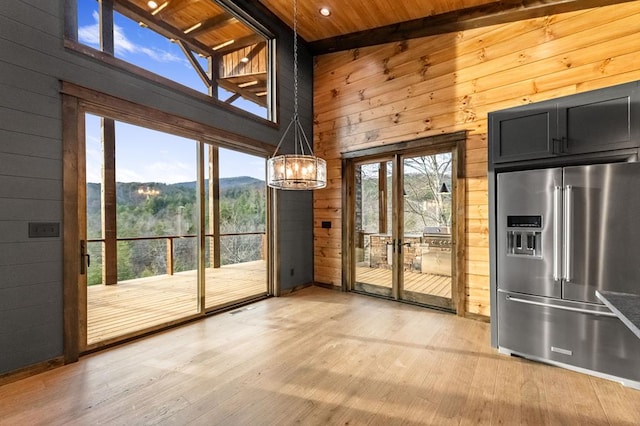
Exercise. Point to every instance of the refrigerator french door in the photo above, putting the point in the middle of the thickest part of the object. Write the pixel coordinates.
(562, 234)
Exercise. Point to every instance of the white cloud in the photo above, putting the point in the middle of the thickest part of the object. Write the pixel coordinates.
(90, 35)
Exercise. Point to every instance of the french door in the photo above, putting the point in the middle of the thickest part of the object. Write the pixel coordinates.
(401, 226)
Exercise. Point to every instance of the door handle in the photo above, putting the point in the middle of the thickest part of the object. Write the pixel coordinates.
(561, 307)
(84, 255)
(557, 244)
(401, 244)
(568, 222)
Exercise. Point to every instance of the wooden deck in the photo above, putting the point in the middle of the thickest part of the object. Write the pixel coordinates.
(143, 303)
(435, 285)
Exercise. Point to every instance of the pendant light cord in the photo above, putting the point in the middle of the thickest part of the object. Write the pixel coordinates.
(299, 135)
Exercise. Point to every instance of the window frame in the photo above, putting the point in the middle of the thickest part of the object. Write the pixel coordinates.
(72, 43)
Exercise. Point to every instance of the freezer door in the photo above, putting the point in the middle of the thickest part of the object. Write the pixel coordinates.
(529, 209)
(578, 334)
(602, 244)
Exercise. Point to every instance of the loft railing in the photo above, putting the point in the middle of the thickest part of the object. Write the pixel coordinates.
(170, 244)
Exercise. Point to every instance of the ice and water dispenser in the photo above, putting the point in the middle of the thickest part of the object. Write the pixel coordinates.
(524, 236)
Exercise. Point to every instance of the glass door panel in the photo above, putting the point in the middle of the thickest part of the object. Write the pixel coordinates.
(142, 225)
(373, 249)
(236, 239)
(426, 228)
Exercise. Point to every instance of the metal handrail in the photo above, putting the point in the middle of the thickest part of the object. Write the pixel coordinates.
(164, 237)
(171, 238)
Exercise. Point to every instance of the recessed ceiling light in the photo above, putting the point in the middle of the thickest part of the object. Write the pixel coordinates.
(325, 11)
(152, 4)
(225, 44)
(159, 9)
(244, 60)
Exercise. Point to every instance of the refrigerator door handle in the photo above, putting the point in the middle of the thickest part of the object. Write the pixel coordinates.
(568, 219)
(557, 243)
(562, 308)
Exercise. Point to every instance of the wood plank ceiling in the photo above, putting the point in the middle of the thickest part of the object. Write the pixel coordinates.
(351, 16)
(359, 23)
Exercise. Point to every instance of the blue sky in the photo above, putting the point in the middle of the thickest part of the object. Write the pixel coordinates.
(145, 155)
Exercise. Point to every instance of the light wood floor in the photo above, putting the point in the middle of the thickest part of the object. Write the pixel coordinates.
(139, 304)
(316, 357)
(436, 285)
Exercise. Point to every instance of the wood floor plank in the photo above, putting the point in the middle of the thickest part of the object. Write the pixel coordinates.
(316, 357)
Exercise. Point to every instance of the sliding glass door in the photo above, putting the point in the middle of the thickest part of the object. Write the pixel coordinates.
(172, 227)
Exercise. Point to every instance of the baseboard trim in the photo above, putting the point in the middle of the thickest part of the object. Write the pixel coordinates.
(328, 286)
(294, 289)
(477, 317)
(31, 370)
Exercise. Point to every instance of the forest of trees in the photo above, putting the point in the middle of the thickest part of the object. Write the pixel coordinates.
(161, 210)
(424, 204)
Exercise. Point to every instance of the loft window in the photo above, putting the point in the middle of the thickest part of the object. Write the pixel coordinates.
(209, 46)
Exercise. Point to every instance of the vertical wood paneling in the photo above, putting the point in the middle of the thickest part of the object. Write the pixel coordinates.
(402, 91)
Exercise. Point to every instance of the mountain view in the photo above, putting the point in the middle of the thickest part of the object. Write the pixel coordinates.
(147, 213)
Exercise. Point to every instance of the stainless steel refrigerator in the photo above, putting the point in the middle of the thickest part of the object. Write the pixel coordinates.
(562, 234)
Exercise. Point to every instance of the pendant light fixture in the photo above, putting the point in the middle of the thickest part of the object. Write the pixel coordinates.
(297, 171)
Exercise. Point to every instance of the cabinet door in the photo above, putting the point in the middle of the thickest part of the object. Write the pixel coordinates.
(523, 133)
(602, 120)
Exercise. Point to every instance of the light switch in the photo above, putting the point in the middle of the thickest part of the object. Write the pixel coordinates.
(44, 229)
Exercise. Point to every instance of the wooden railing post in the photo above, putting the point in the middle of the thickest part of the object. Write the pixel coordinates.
(169, 256)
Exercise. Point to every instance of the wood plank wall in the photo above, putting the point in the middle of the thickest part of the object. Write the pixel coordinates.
(440, 84)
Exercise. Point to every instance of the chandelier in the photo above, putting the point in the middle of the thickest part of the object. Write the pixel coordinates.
(297, 171)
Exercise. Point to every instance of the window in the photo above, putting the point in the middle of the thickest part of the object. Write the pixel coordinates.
(209, 46)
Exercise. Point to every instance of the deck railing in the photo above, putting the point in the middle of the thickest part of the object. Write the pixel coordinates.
(214, 257)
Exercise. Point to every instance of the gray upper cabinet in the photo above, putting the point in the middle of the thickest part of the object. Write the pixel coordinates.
(601, 120)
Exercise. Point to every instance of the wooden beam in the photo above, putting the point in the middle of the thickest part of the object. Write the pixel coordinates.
(70, 20)
(240, 44)
(230, 87)
(159, 26)
(214, 204)
(109, 204)
(206, 79)
(474, 17)
(107, 44)
(72, 132)
(233, 98)
(459, 290)
(213, 23)
(175, 6)
(119, 109)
